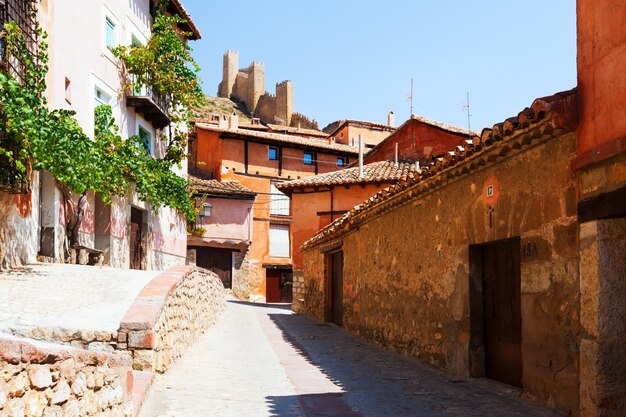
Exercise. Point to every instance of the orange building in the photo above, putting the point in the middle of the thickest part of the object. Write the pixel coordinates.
(348, 131)
(317, 201)
(258, 161)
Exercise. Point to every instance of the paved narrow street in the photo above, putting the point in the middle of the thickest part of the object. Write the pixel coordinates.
(265, 361)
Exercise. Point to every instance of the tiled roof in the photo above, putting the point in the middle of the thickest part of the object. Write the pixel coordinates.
(185, 15)
(361, 123)
(297, 130)
(311, 142)
(227, 188)
(382, 171)
(444, 126)
(548, 117)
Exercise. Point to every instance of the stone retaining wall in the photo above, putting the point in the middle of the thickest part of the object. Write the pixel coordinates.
(84, 339)
(42, 379)
(169, 314)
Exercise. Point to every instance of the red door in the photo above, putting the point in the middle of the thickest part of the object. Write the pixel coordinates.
(273, 293)
(135, 238)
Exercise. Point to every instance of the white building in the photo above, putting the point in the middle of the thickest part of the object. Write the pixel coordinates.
(84, 73)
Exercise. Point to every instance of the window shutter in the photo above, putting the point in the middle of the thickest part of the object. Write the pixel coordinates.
(279, 240)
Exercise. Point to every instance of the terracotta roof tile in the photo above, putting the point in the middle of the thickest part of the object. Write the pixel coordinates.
(382, 171)
(546, 118)
(276, 137)
(211, 186)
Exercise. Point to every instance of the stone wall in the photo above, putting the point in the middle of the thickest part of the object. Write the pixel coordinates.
(406, 274)
(51, 380)
(169, 314)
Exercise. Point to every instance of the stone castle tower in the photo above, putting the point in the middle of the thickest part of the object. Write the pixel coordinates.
(248, 86)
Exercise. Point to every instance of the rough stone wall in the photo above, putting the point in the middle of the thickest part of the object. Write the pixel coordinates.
(299, 119)
(240, 286)
(82, 339)
(407, 271)
(284, 102)
(297, 304)
(43, 379)
(603, 318)
(169, 314)
(19, 226)
(266, 108)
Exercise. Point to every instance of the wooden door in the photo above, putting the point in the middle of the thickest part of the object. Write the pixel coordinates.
(502, 309)
(136, 235)
(336, 279)
(219, 261)
(273, 293)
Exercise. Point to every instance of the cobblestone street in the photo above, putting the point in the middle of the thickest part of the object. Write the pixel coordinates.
(263, 360)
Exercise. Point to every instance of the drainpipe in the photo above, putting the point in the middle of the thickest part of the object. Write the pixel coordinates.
(360, 156)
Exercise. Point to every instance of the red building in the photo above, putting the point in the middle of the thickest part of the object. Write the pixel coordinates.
(419, 139)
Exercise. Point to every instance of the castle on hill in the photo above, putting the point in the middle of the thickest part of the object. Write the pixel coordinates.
(247, 85)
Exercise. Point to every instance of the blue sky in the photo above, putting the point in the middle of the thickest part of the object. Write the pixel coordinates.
(355, 59)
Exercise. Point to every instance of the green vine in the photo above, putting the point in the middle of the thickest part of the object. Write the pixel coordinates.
(165, 64)
(34, 137)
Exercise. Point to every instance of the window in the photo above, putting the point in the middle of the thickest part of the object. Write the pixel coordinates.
(342, 161)
(279, 202)
(308, 158)
(68, 90)
(110, 33)
(272, 154)
(101, 97)
(279, 240)
(145, 139)
(256, 121)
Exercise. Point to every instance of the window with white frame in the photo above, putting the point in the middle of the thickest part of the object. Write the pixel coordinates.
(279, 202)
(279, 240)
(101, 96)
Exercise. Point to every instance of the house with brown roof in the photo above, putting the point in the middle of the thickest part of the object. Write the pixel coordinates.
(348, 131)
(419, 139)
(223, 225)
(319, 200)
(259, 160)
(472, 264)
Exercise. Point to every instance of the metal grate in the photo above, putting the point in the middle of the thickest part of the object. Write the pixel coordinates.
(24, 13)
(146, 89)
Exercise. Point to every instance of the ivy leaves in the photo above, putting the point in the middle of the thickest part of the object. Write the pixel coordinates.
(33, 136)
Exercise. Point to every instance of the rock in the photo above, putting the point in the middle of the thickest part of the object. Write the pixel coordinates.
(54, 411)
(15, 408)
(3, 396)
(100, 346)
(18, 385)
(61, 393)
(103, 336)
(88, 336)
(142, 360)
(89, 404)
(71, 409)
(79, 384)
(35, 402)
(40, 377)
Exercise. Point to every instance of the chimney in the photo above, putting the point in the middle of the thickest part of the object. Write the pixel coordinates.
(396, 155)
(223, 122)
(233, 121)
(391, 119)
(360, 156)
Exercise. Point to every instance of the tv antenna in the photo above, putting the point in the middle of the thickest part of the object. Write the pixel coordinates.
(466, 107)
(410, 98)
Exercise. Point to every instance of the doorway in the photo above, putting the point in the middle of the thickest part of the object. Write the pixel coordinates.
(495, 299)
(273, 293)
(136, 237)
(217, 260)
(334, 288)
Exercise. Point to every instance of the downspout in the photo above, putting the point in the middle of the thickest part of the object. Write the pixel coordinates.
(245, 156)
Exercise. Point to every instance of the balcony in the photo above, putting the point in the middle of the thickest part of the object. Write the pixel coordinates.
(147, 101)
